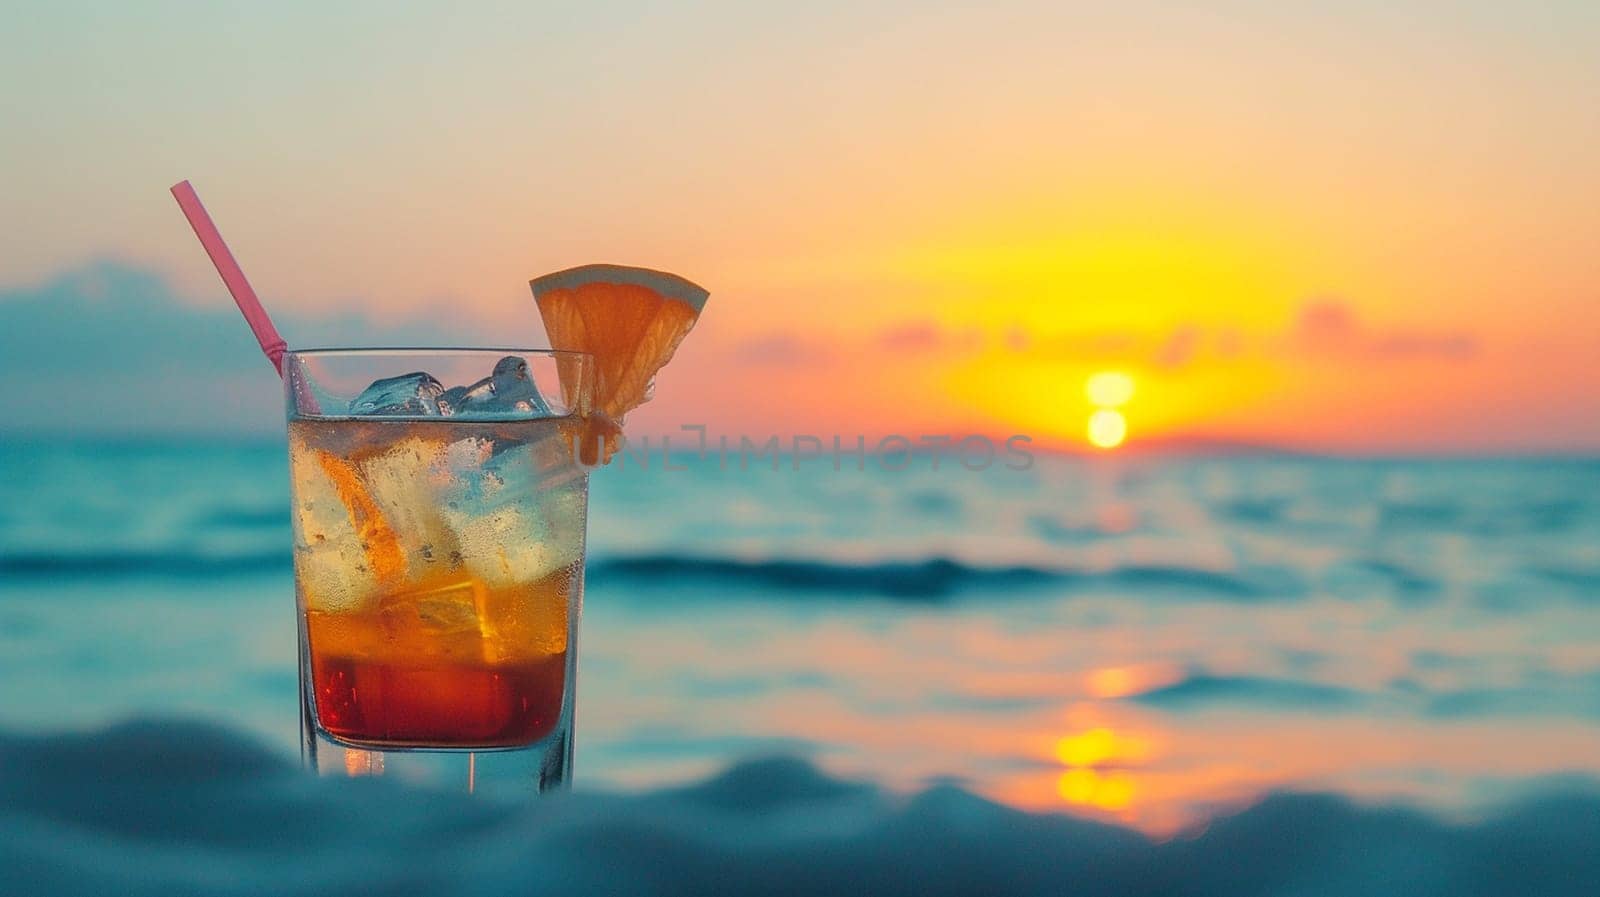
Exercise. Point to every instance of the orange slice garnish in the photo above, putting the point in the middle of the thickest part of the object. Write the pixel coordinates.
(630, 319)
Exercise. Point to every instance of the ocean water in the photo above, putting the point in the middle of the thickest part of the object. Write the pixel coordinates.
(1143, 640)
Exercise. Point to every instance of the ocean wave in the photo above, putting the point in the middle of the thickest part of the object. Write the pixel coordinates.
(1204, 690)
(167, 808)
(911, 580)
(1254, 511)
(1358, 577)
(1493, 520)
(1057, 532)
(272, 517)
(136, 563)
(918, 580)
(1427, 516)
(1200, 690)
(1585, 582)
(937, 578)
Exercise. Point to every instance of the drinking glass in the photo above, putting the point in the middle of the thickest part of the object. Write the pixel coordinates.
(438, 556)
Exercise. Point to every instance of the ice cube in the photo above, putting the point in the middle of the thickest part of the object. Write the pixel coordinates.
(528, 620)
(333, 575)
(406, 484)
(335, 543)
(458, 398)
(509, 390)
(408, 395)
(513, 382)
(509, 539)
(450, 399)
(441, 621)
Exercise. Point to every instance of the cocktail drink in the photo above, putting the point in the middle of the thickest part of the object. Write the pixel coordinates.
(439, 533)
(439, 547)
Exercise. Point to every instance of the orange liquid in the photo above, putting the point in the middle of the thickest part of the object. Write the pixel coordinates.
(419, 670)
(448, 662)
(393, 704)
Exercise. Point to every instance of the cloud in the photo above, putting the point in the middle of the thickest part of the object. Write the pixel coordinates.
(1230, 342)
(782, 350)
(1179, 348)
(1325, 327)
(1330, 328)
(1016, 338)
(111, 347)
(1424, 345)
(1321, 329)
(927, 337)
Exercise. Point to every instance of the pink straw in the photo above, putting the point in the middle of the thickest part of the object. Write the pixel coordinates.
(232, 275)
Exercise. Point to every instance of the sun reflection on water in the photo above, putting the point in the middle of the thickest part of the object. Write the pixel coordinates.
(1099, 746)
(1109, 790)
(1099, 761)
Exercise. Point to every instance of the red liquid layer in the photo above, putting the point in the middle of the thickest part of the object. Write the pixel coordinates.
(438, 705)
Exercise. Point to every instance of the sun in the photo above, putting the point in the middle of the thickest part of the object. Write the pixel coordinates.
(1107, 428)
(1108, 389)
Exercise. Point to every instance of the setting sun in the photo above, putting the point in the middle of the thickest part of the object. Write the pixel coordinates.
(1109, 389)
(1107, 428)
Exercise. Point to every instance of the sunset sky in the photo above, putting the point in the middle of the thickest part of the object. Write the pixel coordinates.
(1342, 226)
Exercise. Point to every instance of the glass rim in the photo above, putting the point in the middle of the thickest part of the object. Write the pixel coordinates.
(327, 351)
(300, 365)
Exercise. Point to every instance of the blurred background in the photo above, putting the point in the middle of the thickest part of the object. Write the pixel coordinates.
(1295, 304)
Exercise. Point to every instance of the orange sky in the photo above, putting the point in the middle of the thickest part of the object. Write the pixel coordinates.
(1344, 227)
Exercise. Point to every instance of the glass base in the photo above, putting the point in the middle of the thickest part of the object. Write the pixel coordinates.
(545, 765)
